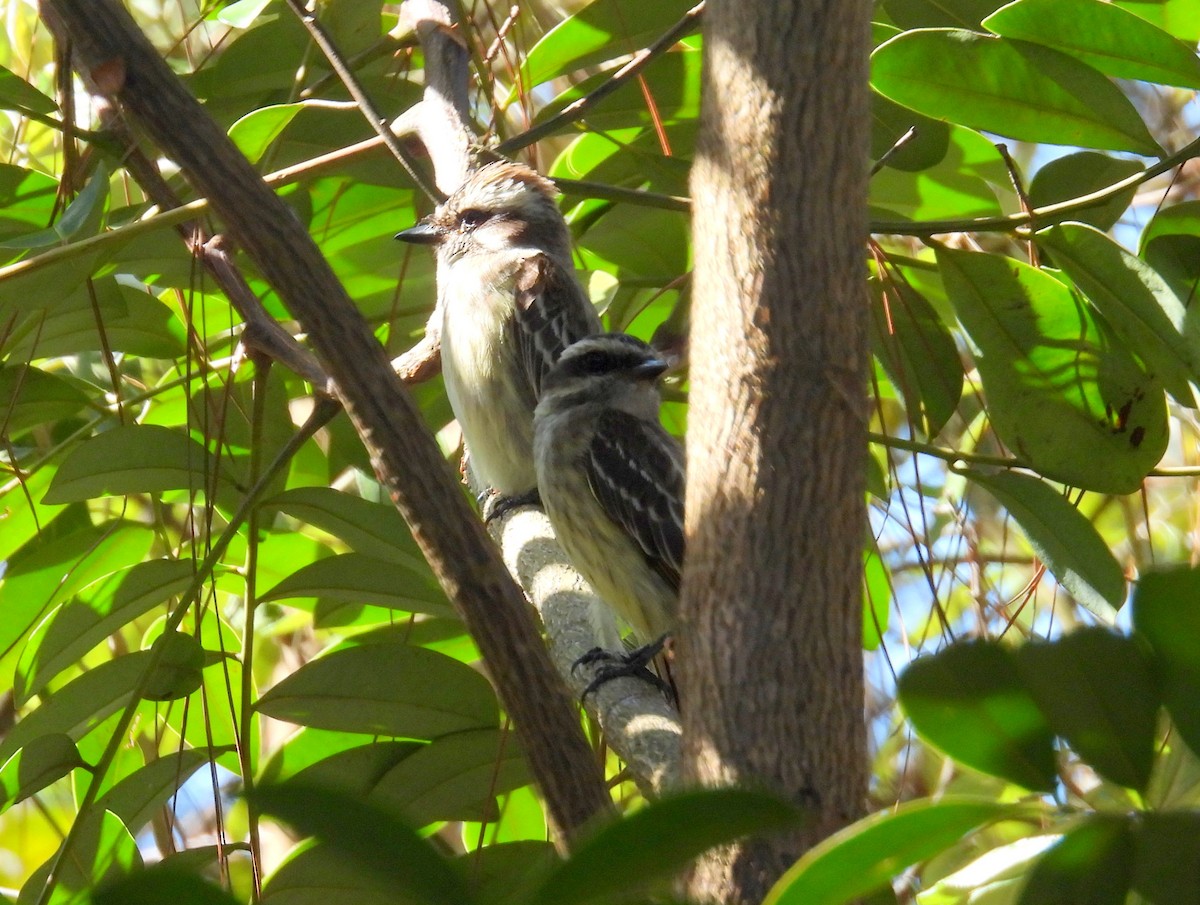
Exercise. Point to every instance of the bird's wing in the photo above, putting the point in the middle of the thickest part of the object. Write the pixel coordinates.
(635, 470)
(552, 313)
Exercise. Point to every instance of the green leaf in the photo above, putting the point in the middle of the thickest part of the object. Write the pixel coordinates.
(178, 671)
(370, 838)
(1167, 852)
(1062, 537)
(384, 689)
(1104, 36)
(890, 122)
(29, 396)
(17, 94)
(877, 596)
(162, 884)
(1098, 691)
(373, 529)
(970, 702)
(1092, 865)
(1012, 88)
(915, 347)
(255, 132)
(78, 626)
(81, 704)
(866, 855)
(1137, 303)
(137, 797)
(357, 578)
(241, 13)
(318, 874)
(1166, 611)
(625, 859)
(134, 458)
(454, 778)
(1178, 17)
(45, 573)
(103, 851)
(1170, 243)
(1060, 392)
(602, 30)
(44, 760)
(325, 754)
(1075, 175)
(80, 220)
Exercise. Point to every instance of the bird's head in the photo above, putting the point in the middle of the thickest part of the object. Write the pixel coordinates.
(500, 206)
(615, 368)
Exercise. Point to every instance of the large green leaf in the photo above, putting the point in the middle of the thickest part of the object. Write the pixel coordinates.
(1060, 392)
(1170, 243)
(384, 689)
(1097, 691)
(969, 701)
(1178, 17)
(866, 855)
(103, 851)
(1062, 537)
(362, 579)
(17, 94)
(1091, 865)
(937, 13)
(1013, 88)
(1104, 36)
(78, 626)
(42, 761)
(134, 458)
(162, 884)
(30, 396)
(370, 838)
(1076, 175)
(1137, 303)
(1166, 611)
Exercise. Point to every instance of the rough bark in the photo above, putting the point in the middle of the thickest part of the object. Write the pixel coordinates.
(770, 647)
(120, 60)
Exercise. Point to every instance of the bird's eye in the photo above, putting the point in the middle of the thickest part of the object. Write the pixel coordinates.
(472, 218)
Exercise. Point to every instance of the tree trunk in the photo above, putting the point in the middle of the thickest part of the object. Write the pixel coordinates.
(770, 644)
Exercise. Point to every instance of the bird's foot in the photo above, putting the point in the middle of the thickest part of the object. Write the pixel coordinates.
(635, 663)
(492, 505)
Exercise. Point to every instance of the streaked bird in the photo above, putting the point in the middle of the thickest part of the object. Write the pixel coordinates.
(510, 306)
(612, 479)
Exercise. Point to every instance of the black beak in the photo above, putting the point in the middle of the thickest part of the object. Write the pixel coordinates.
(651, 368)
(421, 234)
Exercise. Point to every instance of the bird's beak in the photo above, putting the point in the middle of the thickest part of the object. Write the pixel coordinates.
(423, 233)
(651, 368)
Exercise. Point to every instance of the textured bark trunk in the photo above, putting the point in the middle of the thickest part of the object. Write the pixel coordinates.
(770, 650)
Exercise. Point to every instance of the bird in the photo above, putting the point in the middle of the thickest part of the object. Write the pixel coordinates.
(611, 480)
(510, 305)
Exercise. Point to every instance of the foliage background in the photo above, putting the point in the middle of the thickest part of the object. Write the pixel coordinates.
(1033, 414)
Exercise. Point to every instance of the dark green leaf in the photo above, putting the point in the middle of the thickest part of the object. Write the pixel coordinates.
(1166, 611)
(17, 94)
(45, 759)
(160, 884)
(625, 859)
(358, 578)
(454, 778)
(102, 852)
(1013, 88)
(29, 396)
(1167, 857)
(338, 759)
(1137, 303)
(320, 874)
(868, 854)
(1060, 392)
(1170, 243)
(916, 348)
(890, 122)
(134, 458)
(1092, 865)
(1097, 690)
(178, 671)
(1104, 36)
(1075, 175)
(370, 528)
(370, 838)
(970, 702)
(1062, 537)
(384, 689)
